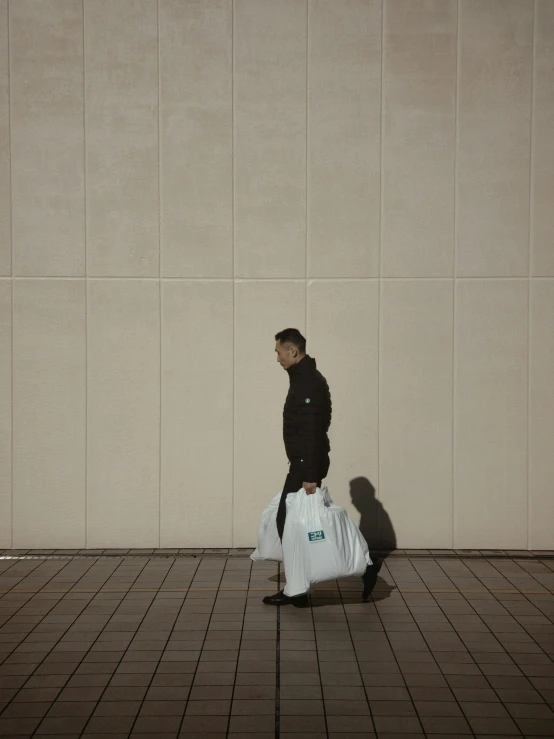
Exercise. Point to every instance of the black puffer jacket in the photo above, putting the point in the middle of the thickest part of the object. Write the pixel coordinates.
(307, 417)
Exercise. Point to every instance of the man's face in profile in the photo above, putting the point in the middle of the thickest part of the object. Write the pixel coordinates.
(285, 355)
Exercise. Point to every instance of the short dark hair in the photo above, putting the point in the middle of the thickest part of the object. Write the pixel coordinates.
(294, 337)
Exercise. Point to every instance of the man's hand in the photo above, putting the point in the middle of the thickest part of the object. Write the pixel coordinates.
(309, 487)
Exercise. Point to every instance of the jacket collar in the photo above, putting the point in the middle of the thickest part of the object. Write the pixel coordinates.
(306, 364)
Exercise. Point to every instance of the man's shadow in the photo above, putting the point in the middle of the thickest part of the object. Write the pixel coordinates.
(375, 524)
(376, 528)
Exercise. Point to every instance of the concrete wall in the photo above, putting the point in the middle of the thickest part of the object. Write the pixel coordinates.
(180, 179)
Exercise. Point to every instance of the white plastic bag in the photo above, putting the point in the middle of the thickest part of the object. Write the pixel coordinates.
(269, 543)
(320, 542)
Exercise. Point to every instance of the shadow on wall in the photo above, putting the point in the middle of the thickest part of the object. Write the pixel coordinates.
(375, 526)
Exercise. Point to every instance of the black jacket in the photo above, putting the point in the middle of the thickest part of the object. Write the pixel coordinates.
(307, 417)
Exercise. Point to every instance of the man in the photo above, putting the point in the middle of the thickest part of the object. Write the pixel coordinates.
(306, 421)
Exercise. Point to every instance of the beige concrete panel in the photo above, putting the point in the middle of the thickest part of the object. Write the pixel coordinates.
(261, 310)
(49, 413)
(47, 137)
(5, 414)
(490, 414)
(542, 174)
(5, 187)
(494, 128)
(343, 337)
(541, 416)
(270, 137)
(197, 414)
(344, 141)
(196, 138)
(419, 123)
(121, 89)
(415, 410)
(123, 413)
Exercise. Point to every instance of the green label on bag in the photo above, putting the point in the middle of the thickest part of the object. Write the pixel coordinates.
(316, 535)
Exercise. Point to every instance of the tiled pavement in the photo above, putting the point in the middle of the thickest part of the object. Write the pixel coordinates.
(178, 644)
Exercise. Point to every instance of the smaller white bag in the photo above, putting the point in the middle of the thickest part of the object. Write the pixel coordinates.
(269, 543)
(320, 542)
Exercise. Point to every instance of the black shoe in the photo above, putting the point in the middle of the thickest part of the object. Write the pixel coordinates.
(280, 599)
(370, 579)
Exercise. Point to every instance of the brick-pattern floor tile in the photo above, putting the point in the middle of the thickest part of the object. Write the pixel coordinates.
(168, 643)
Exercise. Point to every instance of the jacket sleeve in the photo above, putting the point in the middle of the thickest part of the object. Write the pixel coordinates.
(311, 422)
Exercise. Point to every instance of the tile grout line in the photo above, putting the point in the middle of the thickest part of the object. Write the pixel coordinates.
(338, 278)
(530, 266)
(456, 142)
(319, 666)
(278, 662)
(307, 179)
(10, 176)
(240, 644)
(233, 266)
(402, 591)
(381, 148)
(454, 287)
(195, 555)
(86, 267)
(379, 281)
(160, 272)
(364, 687)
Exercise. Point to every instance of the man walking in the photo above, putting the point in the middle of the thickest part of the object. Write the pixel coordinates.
(306, 421)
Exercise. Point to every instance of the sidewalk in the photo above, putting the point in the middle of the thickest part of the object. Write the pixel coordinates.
(176, 643)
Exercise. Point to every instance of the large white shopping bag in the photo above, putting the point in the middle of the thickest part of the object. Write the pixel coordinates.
(269, 544)
(320, 542)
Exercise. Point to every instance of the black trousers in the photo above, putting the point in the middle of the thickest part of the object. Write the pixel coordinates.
(293, 483)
